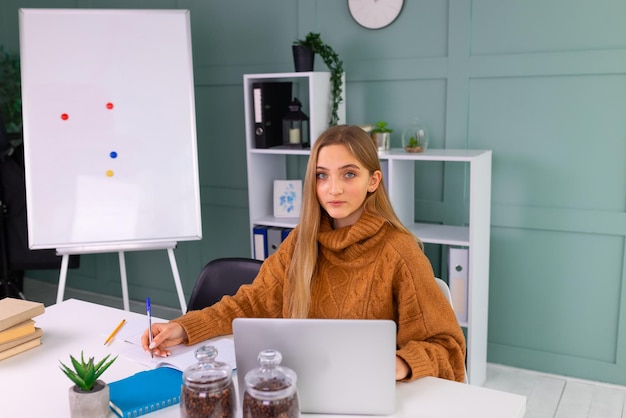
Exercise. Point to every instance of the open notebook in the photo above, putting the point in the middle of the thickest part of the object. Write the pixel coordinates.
(182, 356)
(342, 366)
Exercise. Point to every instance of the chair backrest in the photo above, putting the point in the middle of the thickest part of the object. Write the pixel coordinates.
(222, 276)
(443, 286)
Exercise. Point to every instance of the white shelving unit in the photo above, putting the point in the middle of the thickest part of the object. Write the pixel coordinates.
(400, 167)
(266, 165)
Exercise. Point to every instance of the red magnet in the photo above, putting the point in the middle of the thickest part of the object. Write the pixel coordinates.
(109, 105)
(65, 116)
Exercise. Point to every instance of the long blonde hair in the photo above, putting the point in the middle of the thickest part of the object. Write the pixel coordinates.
(304, 261)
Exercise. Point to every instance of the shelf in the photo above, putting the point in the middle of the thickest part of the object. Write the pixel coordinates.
(274, 221)
(441, 234)
(460, 155)
(313, 89)
(280, 76)
(427, 233)
(280, 151)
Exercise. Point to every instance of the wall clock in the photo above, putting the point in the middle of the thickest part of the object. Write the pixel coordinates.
(375, 14)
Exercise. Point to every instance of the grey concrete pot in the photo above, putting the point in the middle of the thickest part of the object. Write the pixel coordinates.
(94, 404)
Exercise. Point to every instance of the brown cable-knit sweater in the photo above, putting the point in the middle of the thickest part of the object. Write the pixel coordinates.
(368, 270)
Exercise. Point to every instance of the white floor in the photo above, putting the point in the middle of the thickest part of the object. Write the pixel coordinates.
(555, 396)
(549, 396)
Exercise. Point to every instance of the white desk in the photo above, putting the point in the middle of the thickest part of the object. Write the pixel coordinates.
(32, 385)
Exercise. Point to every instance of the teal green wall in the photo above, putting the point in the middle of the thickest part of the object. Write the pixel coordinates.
(540, 82)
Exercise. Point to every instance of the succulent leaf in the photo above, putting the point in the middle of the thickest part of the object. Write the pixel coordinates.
(85, 374)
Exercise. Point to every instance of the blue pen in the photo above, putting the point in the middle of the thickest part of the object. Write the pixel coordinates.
(149, 313)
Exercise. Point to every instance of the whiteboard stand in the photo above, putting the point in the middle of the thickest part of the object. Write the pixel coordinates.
(179, 286)
(123, 195)
(124, 281)
(66, 252)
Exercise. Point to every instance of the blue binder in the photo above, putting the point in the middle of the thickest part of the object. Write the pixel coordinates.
(285, 232)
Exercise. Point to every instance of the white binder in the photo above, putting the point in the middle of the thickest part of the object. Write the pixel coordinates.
(458, 261)
(260, 242)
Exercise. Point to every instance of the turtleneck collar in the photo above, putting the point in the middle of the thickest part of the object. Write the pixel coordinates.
(351, 241)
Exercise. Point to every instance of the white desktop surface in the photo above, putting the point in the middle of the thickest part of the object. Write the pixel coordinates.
(32, 384)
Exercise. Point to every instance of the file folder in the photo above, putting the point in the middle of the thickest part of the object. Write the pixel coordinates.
(260, 242)
(274, 238)
(458, 260)
(285, 232)
(267, 240)
(271, 103)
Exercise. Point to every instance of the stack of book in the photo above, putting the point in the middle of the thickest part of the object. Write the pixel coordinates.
(18, 332)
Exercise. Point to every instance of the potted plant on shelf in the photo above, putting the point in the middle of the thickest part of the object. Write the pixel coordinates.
(381, 135)
(312, 44)
(89, 396)
(11, 93)
(415, 138)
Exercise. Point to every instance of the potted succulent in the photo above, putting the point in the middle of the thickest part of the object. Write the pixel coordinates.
(381, 135)
(312, 44)
(11, 93)
(89, 396)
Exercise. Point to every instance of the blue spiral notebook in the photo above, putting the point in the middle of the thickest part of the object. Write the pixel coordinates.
(145, 392)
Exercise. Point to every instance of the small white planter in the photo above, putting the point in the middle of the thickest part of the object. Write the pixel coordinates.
(94, 404)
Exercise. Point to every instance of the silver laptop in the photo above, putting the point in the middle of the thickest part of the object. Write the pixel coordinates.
(342, 366)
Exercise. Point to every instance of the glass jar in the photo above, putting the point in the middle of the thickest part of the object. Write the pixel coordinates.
(208, 390)
(415, 137)
(271, 389)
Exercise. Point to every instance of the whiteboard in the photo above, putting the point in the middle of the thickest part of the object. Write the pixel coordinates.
(109, 128)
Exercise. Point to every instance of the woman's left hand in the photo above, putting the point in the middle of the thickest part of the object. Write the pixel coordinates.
(402, 369)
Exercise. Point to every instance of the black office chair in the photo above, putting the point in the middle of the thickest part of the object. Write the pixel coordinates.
(222, 276)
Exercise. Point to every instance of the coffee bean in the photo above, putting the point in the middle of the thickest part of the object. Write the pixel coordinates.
(287, 407)
(208, 404)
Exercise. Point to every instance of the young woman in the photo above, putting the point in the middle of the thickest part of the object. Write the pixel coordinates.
(350, 257)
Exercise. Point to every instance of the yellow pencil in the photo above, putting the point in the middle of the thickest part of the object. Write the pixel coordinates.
(117, 328)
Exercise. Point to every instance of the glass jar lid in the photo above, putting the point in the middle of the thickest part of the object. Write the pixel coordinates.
(208, 373)
(270, 381)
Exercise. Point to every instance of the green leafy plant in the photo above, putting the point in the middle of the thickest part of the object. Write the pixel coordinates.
(412, 142)
(415, 138)
(334, 64)
(10, 91)
(85, 374)
(381, 127)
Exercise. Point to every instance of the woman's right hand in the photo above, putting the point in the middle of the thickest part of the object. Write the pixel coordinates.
(164, 335)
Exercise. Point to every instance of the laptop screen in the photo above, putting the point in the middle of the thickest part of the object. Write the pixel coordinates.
(343, 366)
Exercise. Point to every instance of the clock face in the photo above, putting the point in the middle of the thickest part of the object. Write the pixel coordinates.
(375, 14)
